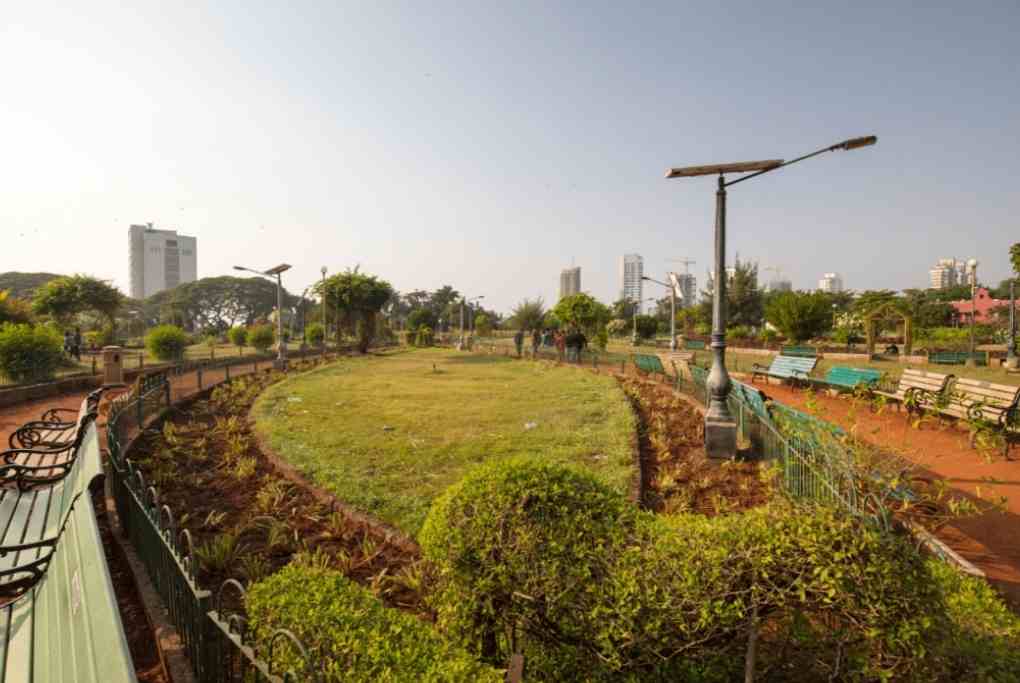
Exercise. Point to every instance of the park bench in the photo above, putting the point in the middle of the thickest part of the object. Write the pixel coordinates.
(59, 619)
(51, 431)
(957, 357)
(694, 344)
(803, 427)
(753, 398)
(840, 377)
(647, 363)
(917, 389)
(996, 404)
(783, 367)
(799, 351)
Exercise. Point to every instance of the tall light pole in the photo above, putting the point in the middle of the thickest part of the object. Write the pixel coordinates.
(323, 310)
(972, 265)
(720, 427)
(281, 346)
(672, 309)
(1011, 359)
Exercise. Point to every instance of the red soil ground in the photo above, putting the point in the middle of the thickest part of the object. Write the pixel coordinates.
(990, 541)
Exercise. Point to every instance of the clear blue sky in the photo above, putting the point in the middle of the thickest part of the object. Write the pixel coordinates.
(488, 146)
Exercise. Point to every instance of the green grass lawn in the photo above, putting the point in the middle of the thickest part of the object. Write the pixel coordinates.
(388, 433)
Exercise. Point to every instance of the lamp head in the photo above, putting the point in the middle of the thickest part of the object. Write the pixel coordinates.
(856, 143)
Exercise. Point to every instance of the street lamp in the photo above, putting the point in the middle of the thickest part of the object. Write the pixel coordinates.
(281, 347)
(972, 265)
(720, 427)
(672, 309)
(323, 310)
(1011, 359)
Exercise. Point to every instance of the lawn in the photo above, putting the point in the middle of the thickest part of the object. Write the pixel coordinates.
(388, 433)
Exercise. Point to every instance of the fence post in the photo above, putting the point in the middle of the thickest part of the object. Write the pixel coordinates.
(141, 360)
(138, 409)
(623, 367)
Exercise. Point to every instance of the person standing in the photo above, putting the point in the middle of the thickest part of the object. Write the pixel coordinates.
(560, 341)
(77, 343)
(519, 342)
(536, 339)
(68, 342)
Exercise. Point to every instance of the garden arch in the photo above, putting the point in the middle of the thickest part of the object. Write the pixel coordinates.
(884, 312)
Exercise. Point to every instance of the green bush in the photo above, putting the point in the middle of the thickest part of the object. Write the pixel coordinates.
(361, 639)
(315, 334)
(238, 336)
(166, 342)
(646, 326)
(739, 332)
(29, 353)
(423, 336)
(261, 337)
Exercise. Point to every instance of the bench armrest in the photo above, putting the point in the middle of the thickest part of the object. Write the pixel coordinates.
(51, 414)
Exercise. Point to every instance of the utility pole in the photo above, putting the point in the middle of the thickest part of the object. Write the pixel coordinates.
(324, 310)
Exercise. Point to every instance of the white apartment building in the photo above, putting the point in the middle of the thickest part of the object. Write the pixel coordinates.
(945, 274)
(632, 269)
(570, 281)
(688, 289)
(159, 259)
(831, 282)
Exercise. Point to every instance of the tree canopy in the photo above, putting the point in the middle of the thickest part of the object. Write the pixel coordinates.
(583, 311)
(1014, 258)
(67, 296)
(528, 314)
(24, 285)
(800, 315)
(216, 303)
(360, 297)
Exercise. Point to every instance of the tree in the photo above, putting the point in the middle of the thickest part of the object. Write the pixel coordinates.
(360, 297)
(623, 309)
(422, 317)
(647, 326)
(67, 296)
(800, 315)
(315, 333)
(528, 314)
(29, 353)
(483, 324)
(744, 304)
(1014, 258)
(217, 303)
(24, 285)
(261, 337)
(582, 311)
(238, 336)
(13, 310)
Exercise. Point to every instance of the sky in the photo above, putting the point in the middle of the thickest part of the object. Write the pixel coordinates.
(489, 145)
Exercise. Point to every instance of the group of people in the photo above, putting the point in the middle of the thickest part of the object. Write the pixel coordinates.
(568, 345)
(72, 343)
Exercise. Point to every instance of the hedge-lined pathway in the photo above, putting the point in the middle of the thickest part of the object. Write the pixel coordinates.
(990, 541)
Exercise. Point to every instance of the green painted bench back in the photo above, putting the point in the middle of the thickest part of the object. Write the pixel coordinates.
(804, 427)
(799, 351)
(849, 378)
(752, 398)
(694, 344)
(647, 363)
(957, 357)
(792, 367)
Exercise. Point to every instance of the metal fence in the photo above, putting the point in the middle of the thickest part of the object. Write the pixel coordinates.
(213, 636)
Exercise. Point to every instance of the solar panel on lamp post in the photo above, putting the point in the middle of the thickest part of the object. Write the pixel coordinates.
(281, 345)
(720, 427)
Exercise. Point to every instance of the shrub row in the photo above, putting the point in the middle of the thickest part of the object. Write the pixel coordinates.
(29, 352)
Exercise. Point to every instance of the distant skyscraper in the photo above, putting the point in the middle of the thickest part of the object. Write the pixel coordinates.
(159, 259)
(949, 272)
(632, 268)
(688, 289)
(831, 282)
(779, 285)
(570, 281)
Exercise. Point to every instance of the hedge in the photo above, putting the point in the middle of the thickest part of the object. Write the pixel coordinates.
(29, 352)
(167, 342)
(361, 639)
(261, 337)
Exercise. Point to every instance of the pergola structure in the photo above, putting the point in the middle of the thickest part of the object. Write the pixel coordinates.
(889, 309)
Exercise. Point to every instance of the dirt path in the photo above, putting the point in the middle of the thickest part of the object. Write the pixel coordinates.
(990, 541)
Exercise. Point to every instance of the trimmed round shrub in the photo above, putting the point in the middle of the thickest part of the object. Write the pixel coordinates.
(361, 639)
(315, 334)
(238, 336)
(261, 337)
(167, 342)
(29, 353)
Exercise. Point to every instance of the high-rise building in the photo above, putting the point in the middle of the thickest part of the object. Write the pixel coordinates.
(570, 281)
(688, 295)
(949, 272)
(831, 282)
(159, 259)
(632, 269)
(779, 285)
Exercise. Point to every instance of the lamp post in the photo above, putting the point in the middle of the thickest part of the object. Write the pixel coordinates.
(672, 309)
(324, 310)
(972, 265)
(1011, 359)
(281, 346)
(466, 301)
(720, 427)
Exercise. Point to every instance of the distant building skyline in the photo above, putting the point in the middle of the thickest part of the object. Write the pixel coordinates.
(688, 287)
(570, 281)
(159, 259)
(831, 283)
(632, 269)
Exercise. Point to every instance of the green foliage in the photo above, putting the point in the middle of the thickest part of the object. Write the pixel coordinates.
(739, 332)
(423, 336)
(483, 324)
(800, 315)
(1014, 258)
(422, 317)
(24, 285)
(528, 314)
(623, 309)
(166, 342)
(315, 334)
(602, 339)
(13, 310)
(360, 639)
(744, 301)
(359, 297)
(647, 326)
(29, 352)
(67, 296)
(617, 327)
(217, 302)
(943, 338)
(768, 335)
(582, 311)
(261, 337)
(238, 336)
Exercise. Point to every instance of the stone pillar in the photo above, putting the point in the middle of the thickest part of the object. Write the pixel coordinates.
(113, 365)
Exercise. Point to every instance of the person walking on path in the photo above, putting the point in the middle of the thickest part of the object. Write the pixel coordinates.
(68, 342)
(560, 341)
(536, 339)
(519, 342)
(77, 343)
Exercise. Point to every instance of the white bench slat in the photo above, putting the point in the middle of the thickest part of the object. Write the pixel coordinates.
(18, 662)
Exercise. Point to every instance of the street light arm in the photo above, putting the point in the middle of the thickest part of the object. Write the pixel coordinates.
(658, 282)
(846, 146)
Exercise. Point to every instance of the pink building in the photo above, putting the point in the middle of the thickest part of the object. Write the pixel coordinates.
(983, 304)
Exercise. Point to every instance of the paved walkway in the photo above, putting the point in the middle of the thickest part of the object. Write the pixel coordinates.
(990, 541)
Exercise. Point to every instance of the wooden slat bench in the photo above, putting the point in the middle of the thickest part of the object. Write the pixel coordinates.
(917, 389)
(995, 404)
(648, 363)
(785, 368)
(840, 377)
(957, 357)
(694, 345)
(799, 351)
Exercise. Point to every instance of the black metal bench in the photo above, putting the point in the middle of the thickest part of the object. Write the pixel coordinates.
(53, 431)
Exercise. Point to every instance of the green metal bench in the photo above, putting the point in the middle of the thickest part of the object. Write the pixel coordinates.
(850, 378)
(52, 430)
(694, 344)
(648, 363)
(786, 368)
(799, 351)
(753, 398)
(957, 357)
(63, 623)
